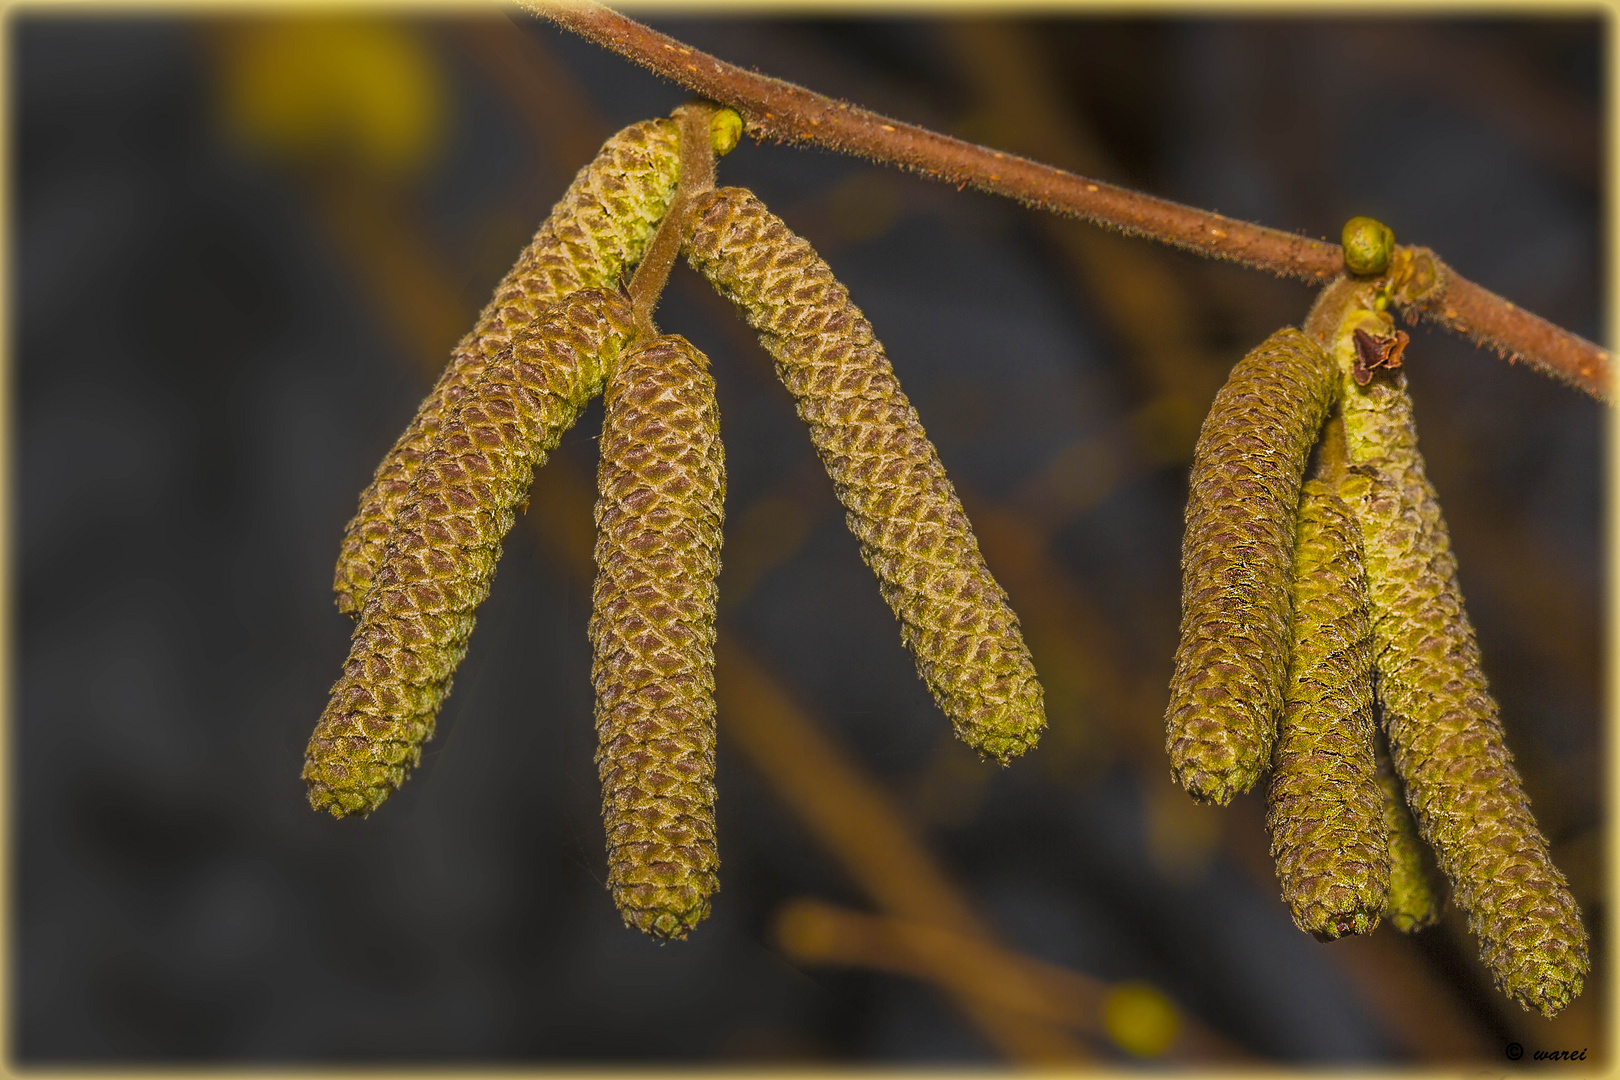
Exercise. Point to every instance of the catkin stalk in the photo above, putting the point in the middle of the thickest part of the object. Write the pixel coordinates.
(1326, 814)
(1444, 732)
(1237, 556)
(414, 626)
(658, 519)
(595, 233)
(912, 529)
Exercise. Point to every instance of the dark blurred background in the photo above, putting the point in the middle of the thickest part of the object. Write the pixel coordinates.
(242, 248)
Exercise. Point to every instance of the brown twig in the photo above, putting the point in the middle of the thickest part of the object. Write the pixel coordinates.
(782, 111)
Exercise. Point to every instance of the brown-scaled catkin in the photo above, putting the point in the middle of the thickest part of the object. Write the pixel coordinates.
(1237, 556)
(913, 533)
(661, 484)
(1444, 731)
(595, 233)
(1326, 814)
(414, 626)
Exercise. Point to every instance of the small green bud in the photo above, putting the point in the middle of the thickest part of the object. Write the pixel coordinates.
(1368, 244)
(725, 129)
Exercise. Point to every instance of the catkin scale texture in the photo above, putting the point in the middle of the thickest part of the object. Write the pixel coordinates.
(595, 233)
(414, 627)
(1414, 899)
(661, 483)
(1236, 562)
(1326, 809)
(912, 529)
(1444, 732)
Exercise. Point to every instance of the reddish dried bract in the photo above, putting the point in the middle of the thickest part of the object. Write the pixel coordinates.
(658, 520)
(414, 627)
(1376, 353)
(902, 508)
(1237, 560)
(595, 233)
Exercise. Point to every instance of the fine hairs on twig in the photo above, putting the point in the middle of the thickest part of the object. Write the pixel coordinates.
(772, 108)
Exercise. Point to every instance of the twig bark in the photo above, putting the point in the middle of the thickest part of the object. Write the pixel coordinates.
(773, 108)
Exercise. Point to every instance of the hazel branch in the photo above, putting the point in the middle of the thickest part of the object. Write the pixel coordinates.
(775, 109)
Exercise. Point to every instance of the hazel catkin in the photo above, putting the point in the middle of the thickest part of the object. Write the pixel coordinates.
(1415, 898)
(1236, 558)
(417, 617)
(661, 483)
(912, 529)
(595, 233)
(1444, 732)
(1326, 810)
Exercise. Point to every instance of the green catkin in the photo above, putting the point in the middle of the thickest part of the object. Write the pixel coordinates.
(1236, 562)
(1444, 732)
(661, 486)
(414, 626)
(912, 529)
(595, 233)
(1415, 898)
(1326, 814)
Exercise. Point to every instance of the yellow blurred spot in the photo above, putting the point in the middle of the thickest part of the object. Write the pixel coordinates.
(367, 91)
(1139, 1019)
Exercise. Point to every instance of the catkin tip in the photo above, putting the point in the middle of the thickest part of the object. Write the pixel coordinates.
(435, 572)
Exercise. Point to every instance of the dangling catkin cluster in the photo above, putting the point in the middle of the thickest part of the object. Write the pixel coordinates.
(1306, 638)
(594, 234)
(1444, 733)
(445, 542)
(913, 533)
(661, 484)
(1237, 555)
(1326, 813)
